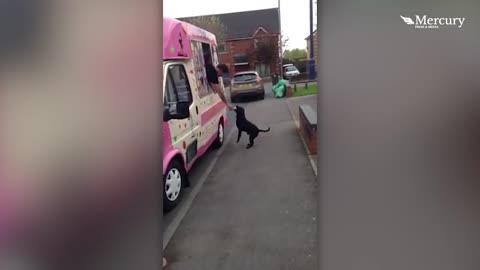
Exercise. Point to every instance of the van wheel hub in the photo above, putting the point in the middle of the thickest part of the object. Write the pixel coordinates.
(220, 133)
(173, 184)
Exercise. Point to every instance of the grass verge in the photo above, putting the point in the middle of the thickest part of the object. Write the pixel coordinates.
(302, 91)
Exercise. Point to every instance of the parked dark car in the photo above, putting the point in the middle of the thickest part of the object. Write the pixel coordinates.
(247, 84)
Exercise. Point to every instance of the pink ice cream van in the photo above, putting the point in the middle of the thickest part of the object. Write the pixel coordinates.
(194, 116)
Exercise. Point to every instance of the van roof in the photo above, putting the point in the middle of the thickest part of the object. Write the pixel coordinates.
(177, 36)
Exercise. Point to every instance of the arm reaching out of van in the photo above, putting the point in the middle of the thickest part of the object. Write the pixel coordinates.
(218, 89)
(212, 78)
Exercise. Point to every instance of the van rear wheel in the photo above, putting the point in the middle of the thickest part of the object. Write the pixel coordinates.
(173, 183)
(220, 137)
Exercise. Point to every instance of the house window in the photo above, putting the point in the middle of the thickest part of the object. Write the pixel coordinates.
(240, 59)
(222, 47)
(255, 43)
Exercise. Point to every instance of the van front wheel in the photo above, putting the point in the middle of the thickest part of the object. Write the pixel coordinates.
(173, 183)
(220, 137)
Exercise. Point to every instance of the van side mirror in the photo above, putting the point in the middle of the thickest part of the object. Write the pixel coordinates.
(179, 110)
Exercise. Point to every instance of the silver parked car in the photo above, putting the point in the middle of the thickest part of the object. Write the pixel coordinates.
(247, 83)
(290, 71)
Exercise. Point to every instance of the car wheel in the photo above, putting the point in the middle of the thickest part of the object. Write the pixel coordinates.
(220, 137)
(173, 182)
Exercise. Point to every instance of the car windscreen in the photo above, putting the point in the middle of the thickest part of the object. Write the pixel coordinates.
(245, 77)
(291, 68)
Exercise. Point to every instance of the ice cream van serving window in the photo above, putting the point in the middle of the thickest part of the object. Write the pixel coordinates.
(208, 58)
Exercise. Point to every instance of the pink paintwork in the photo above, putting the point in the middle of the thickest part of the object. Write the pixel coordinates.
(212, 112)
(202, 149)
(177, 39)
(177, 36)
(176, 42)
(168, 150)
(10, 208)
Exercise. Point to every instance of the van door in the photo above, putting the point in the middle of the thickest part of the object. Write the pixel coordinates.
(184, 132)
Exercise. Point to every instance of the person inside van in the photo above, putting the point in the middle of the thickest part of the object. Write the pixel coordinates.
(212, 78)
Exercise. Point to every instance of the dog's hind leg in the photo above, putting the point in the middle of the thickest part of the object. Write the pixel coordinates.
(252, 140)
(239, 135)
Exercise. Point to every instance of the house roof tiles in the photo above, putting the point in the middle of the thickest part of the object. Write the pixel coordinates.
(245, 24)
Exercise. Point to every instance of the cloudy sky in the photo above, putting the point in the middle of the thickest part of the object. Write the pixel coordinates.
(294, 14)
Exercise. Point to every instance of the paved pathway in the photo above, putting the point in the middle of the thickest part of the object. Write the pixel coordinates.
(293, 104)
(256, 208)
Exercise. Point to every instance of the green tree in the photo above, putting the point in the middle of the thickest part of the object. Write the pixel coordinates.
(295, 54)
(212, 24)
(265, 51)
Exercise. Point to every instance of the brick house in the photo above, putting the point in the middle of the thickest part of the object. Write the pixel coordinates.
(244, 30)
(315, 46)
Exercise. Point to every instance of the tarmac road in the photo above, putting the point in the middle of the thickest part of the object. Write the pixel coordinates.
(248, 209)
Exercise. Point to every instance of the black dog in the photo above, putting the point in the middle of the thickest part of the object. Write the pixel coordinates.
(244, 125)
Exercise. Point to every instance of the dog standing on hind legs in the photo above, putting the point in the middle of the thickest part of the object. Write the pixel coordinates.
(243, 125)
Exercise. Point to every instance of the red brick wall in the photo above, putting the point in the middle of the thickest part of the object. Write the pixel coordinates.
(235, 47)
(242, 46)
(275, 65)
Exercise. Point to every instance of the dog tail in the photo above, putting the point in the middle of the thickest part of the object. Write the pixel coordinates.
(265, 130)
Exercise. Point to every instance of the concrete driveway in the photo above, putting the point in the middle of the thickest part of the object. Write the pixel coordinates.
(248, 209)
